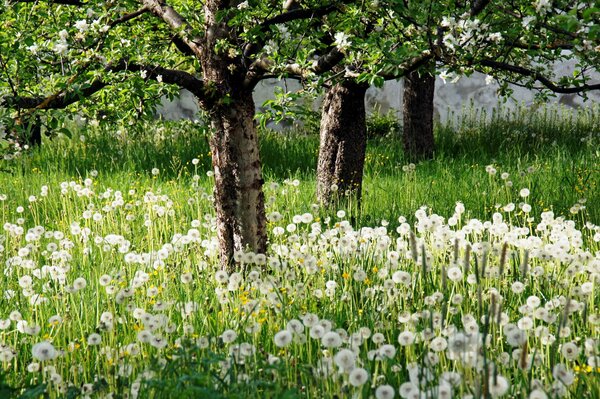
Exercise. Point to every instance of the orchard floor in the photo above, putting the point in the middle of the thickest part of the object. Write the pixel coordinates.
(471, 275)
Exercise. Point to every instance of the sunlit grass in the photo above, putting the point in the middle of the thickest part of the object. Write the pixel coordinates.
(111, 286)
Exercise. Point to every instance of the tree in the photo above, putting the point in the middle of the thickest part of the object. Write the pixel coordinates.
(343, 141)
(417, 122)
(372, 54)
(455, 38)
(222, 55)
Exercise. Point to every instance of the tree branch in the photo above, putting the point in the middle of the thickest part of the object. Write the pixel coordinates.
(411, 65)
(539, 77)
(301, 13)
(177, 23)
(129, 16)
(323, 64)
(478, 6)
(63, 2)
(65, 98)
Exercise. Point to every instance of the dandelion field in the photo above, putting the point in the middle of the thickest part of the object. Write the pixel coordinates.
(471, 276)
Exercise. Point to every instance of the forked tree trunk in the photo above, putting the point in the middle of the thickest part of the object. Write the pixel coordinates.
(343, 142)
(239, 199)
(418, 115)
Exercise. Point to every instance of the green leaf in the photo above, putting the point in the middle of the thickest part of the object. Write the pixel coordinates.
(66, 132)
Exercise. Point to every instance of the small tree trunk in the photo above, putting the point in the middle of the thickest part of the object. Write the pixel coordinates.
(239, 199)
(418, 115)
(343, 142)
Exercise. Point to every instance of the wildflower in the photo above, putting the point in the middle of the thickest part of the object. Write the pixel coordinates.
(345, 359)
(385, 392)
(317, 331)
(538, 394)
(409, 390)
(186, 278)
(79, 283)
(455, 274)
(438, 344)
(33, 367)
(570, 351)
(387, 351)
(94, 339)
(498, 385)
(283, 338)
(406, 338)
(358, 377)
(229, 336)
(44, 351)
(331, 339)
(562, 374)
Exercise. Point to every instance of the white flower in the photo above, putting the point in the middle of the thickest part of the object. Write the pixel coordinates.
(94, 339)
(159, 78)
(144, 74)
(358, 377)
(345, 359)
(495, 37)
(33, 49)
(342, 41)
(524, 192)
(387, 351)
(562, 374)
(406, 338)
(445, 76)
(317, 331)
(6, 355)
(542, 5)
(438, 344)
(385, 392)
(331, 340)
(283, 338)
(229, 336)
(570, 351)
(243, 5)
(538, 394)
(79, 283)
(33, 367)
(82, 25)
(61, 48)
(498, 386)
(455, 274)
(527, 21)
(44, 351)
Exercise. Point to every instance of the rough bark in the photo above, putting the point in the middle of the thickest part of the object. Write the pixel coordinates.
(239, 199)
(343, 142)
(418, 115)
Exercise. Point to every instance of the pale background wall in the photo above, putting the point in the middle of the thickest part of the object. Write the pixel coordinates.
(449, 97)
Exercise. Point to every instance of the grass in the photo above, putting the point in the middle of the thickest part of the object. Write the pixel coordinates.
(487, 296)
(553, 154)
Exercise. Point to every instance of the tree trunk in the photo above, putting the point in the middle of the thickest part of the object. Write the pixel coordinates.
(343, 142)
(239, 199)
(418, 115)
